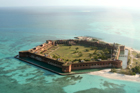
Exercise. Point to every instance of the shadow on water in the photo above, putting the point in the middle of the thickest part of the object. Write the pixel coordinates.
(59, 70)
(85, 70)
(56, 69)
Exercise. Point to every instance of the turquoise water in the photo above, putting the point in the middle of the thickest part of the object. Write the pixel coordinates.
(24, 28)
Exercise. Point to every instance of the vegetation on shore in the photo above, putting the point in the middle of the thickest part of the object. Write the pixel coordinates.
(136, 69)
(133, 65)
(123, 71)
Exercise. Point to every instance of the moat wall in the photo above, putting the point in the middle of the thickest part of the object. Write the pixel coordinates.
(41, 58)
(73, 66)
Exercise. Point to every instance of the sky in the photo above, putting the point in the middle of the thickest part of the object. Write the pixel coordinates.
(106, 3)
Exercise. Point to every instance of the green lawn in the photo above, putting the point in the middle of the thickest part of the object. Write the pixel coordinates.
(67, 52)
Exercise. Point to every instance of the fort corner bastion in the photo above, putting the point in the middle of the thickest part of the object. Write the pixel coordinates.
(41, 53)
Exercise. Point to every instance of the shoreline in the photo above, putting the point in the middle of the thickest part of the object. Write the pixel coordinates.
(131, 49)
(107, 74)
(127, 47)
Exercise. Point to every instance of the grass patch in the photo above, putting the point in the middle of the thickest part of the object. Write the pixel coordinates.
(136, 62)
(75, 52)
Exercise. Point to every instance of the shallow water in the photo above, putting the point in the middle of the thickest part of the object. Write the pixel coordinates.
(22, 29)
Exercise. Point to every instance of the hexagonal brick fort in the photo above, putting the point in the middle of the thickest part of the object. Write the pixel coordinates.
(69, 66)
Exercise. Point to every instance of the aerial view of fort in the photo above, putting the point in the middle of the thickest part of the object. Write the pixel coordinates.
(77, 54)
(70, 46)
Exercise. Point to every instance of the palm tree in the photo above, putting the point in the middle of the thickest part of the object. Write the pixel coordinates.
(76, 48)
(103, 57)
(96, 57)
(90, 55)
(136, 63)
(87, 50)
(106, 50)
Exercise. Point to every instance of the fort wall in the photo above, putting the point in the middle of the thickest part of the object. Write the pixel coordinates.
(46, 60)
(122, 48)
(23, 54)
(66, 69)
(118, 53)
(96, 44)
(41, 58)
(73, 66)
(98, 64)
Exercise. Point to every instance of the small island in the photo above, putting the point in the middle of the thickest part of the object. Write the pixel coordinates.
(77, 54)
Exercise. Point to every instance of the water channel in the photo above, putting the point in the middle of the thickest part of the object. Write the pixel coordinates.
(123, 57)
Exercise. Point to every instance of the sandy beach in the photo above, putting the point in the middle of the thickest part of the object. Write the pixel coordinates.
(131, 49)
(106, 73)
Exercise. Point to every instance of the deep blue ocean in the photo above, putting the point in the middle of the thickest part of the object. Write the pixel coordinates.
(25, 28)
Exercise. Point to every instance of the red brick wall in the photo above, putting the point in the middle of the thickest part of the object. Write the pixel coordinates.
(100, 64)
(66, 69)
(74, 66)
(122, 48)
(23, 54)
(41, 58)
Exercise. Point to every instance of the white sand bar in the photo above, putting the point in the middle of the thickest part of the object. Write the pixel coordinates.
(106, 73)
